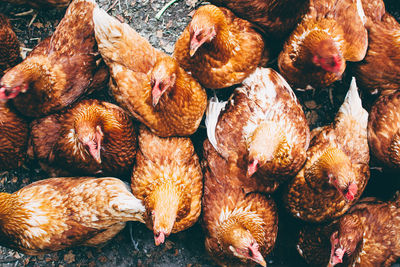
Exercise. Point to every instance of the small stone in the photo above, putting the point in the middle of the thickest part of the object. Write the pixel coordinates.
(159, 34)
(17, 255)
(69, 257)
(103, 259)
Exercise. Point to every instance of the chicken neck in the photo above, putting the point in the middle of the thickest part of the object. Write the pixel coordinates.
(164, 203)
(242, 235)
(332, 168)
(267, 145)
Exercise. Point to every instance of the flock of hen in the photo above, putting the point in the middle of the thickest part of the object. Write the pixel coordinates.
(258, 140)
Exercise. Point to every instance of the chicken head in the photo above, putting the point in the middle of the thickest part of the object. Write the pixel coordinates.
(11, 85)
(91, 138)
(203, 27)
(163, 77)
(328, 57)
(346, 239)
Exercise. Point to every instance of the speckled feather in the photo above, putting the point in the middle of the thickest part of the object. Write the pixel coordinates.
(55, 143)
(13, 138)
(384, 130)
(131, 59)
(315, 201)
(264, 97)
(170, 165)
(9, 46)
(327, 19)
(225, 200)
(61, 68)
(380, 70)
(54, 214)
(234, 53)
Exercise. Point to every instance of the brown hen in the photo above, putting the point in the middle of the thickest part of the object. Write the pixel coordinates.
(276, 18)
(168, 178)
(380, 69)
(147, 82)
(384, 129)
(240, 228)
(330, 34)
(60, 69)
(13, 138)
(368, 235)
(336, 171)
(263, 130)
(92, 137)
(218, 48)
(57, 213)
(9, 46)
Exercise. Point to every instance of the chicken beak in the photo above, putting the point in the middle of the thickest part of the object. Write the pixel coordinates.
(195, 44)
(257, 257)
(252, 168)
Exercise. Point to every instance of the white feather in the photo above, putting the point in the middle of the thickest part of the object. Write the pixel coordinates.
(360, 11)
(212, 113)
(352, 104)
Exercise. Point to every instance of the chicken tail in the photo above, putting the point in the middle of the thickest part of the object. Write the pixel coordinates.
(212, 113)
(107, 30)
(352, 105)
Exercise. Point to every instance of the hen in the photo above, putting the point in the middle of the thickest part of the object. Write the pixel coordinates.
(168, 178)
(60, 69)
(240, 228)
(384, 129)
(13, 138)
(380, 69)
(369, 235)
(262, 129)
(57, 213)
(41, 3)
(147, 82)
(276, 18)
(336, 171)
(9, 46)
(92, 137)
(330, 34)
(218, 48)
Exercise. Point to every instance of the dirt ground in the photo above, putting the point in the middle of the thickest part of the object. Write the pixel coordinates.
(185, 248)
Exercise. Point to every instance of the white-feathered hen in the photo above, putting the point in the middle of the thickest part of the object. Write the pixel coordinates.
(262, 129)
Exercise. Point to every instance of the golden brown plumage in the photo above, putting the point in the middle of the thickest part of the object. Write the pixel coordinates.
(9, 46)
(57, 213)
(330, 34)
(240, 228)
(380, 69)
(384, 129)
(92, 137)
(41, 3)
(218, 48)
(60, 69)
(262, 129)
(336, 171)
(276, 18)
(368, 235)
(168, 178)
(13, 138)
(147, 82)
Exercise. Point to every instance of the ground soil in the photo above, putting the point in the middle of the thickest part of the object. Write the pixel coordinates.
(185, 248)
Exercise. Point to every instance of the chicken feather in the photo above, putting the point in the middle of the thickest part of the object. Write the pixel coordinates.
(57, 213)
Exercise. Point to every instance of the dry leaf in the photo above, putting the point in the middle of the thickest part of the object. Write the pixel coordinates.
(38, 25)
(70, 257)
(103, 259)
